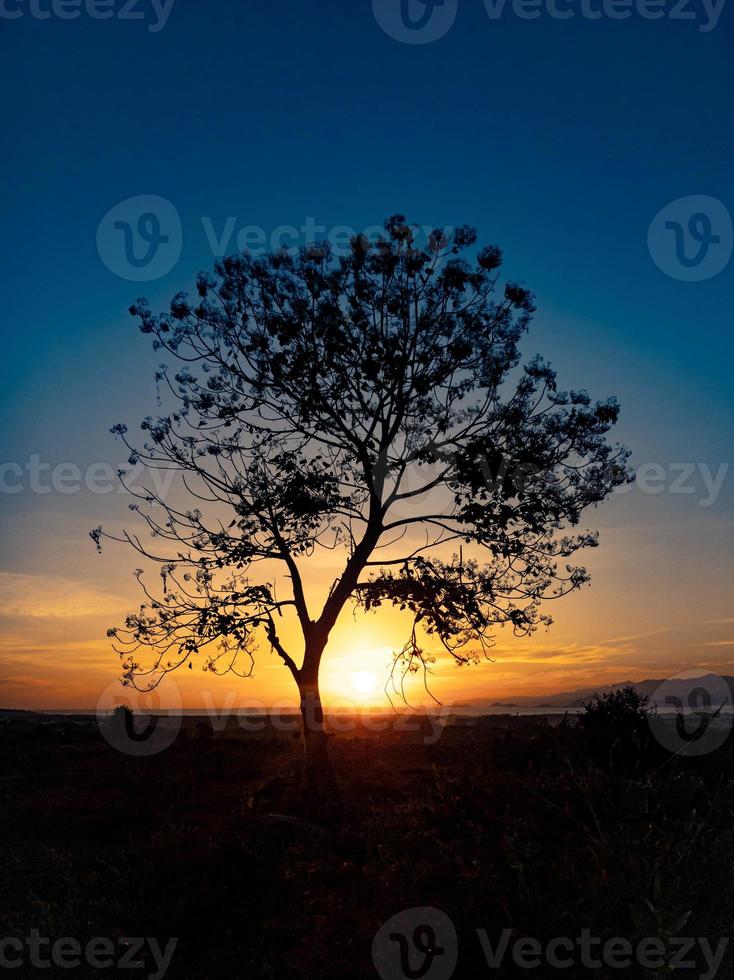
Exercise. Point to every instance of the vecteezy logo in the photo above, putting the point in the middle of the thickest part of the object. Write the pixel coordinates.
(140, 238)
(693, 713)
(699, 232)
(691, 238)
(416, 944)
(415, 21)
(133, 722)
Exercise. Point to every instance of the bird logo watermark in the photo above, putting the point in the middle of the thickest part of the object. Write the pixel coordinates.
(416, 944)
(691, 238)
(140, 238)
(415, 21)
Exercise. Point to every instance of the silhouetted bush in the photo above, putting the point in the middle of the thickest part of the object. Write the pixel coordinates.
(616, 728)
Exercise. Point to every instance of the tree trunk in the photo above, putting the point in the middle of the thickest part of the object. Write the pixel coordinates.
(321, 787)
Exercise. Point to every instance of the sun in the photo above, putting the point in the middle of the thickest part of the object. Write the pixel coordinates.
(364, 682)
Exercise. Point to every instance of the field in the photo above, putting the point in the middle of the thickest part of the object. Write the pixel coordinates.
(541, 828)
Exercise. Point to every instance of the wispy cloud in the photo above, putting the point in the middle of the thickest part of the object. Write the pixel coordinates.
(47, 597)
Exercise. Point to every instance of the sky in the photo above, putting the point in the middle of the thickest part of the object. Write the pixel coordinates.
(593, 148)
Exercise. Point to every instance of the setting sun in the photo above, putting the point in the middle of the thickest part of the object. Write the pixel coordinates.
(364, 682)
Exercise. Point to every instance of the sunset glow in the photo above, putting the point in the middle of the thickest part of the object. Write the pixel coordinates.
(364, 683)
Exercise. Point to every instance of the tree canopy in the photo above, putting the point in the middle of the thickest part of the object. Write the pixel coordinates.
(373, 404)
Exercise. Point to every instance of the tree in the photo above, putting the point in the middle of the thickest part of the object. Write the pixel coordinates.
(310, 389)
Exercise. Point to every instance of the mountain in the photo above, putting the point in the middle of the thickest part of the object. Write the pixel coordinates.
(677, 687)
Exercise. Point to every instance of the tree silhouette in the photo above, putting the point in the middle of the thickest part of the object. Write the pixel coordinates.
(347, 403)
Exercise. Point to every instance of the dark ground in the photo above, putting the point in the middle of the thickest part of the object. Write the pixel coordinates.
(511, 823)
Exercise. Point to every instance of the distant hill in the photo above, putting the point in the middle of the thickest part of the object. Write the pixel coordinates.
(573, 699)
(681, 688)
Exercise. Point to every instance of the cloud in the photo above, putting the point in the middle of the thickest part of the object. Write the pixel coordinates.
(47, 597)
(639, 636)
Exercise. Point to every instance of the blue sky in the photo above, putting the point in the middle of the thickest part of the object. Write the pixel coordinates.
(561, 140)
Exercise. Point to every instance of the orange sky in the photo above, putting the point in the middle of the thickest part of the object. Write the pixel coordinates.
(651, 610)
(660, 599)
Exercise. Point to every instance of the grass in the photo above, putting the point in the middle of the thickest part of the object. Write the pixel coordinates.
(510, 823)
